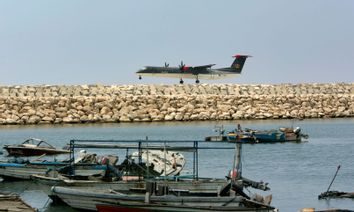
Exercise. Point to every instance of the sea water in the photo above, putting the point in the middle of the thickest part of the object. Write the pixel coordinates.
(296, 172)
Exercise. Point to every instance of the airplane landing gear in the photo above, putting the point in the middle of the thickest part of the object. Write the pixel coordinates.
(181, 81)
(197, 80)
(140, 77)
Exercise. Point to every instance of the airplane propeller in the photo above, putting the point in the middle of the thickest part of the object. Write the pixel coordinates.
(166, 65)
(181, 66)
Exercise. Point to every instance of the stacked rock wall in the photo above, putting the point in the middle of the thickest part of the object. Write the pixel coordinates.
(126, 103)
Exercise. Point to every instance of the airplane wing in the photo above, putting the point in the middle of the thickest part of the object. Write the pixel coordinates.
(204, 67)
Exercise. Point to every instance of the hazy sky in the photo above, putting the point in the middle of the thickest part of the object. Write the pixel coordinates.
(106, 42)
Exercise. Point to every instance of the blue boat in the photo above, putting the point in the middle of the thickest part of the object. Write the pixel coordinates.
(270, 136)
(259, 136)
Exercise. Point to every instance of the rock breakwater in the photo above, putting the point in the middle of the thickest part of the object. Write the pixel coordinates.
(134, 103)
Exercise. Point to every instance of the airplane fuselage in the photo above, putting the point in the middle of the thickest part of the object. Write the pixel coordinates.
(176, 72)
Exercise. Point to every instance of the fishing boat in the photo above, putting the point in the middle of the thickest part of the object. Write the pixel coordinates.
(85, 165)
(252, 136)
(171, 195)
(163, 195)
(283, 134)
(33, 147)
(26, 170)
(90, 200)
(335, 194)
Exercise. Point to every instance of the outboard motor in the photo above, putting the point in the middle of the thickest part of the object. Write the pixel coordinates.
(297, 130)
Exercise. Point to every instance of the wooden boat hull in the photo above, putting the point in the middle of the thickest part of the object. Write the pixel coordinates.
(271, 136)
(207, 187)
(24, 171)
(336, 194)
(242, 138)
(116, 208)
(46, 180)
(87, 199)
(28, 151)
(157, 208)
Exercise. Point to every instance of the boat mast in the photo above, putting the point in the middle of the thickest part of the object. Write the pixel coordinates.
(335, 175)
(236, 170)
(238, 165)
(147, 157)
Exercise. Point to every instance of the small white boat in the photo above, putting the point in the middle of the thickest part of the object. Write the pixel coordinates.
(166, 163)
(33, 147)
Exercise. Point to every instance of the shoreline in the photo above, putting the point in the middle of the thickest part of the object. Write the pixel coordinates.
(55, 104)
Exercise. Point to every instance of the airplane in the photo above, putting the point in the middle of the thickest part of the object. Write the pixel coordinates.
(195, 72)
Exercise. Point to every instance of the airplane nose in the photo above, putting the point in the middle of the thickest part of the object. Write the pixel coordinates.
(143, 70)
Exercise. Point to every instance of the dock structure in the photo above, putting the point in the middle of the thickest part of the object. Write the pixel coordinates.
(13, 203)
(140, 145)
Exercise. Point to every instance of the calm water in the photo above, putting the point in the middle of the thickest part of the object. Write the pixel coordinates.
(296, 172)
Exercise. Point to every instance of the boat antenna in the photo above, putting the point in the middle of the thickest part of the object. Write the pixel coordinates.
(335, 175)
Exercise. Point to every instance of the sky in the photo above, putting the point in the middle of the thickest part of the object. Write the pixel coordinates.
(105, 42)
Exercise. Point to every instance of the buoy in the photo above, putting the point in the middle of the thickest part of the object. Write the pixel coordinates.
(233, 174)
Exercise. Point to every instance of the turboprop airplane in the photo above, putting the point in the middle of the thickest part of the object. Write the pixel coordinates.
(195, 72)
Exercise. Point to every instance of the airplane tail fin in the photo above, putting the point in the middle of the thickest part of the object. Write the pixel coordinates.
(238, 63)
